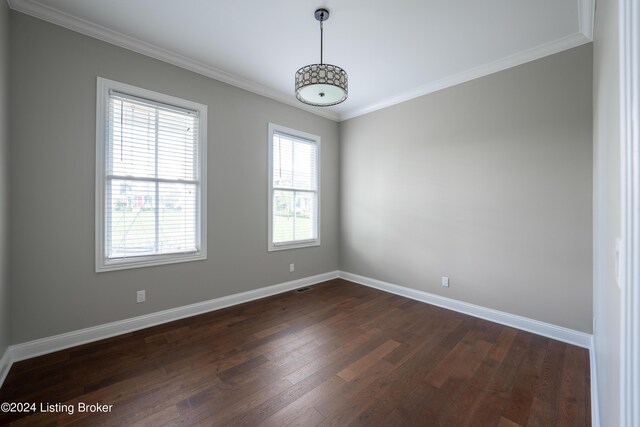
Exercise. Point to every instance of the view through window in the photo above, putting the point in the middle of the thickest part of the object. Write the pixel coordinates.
(294, 179)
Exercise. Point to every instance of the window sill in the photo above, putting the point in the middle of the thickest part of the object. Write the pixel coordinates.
(149, 261)
(293, 245)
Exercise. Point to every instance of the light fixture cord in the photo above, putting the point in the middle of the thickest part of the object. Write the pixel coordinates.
(321, 38)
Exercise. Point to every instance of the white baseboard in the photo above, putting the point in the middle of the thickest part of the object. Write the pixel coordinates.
(71, 339)
(5, 365)
(595, 404)
(559, 333)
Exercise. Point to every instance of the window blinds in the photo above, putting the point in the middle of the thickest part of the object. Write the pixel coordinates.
(152, 185)
(295, 189)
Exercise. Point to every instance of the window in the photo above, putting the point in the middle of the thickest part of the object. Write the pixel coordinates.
(294, 188)
(150, 178)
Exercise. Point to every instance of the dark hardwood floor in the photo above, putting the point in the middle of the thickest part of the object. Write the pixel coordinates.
(339, 354)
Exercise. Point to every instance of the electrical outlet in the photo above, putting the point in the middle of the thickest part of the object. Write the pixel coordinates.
(292, 268)
(445, 281)
(141, 296)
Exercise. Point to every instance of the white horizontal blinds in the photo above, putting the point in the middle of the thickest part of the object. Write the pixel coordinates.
(152, 178)
(295, 189)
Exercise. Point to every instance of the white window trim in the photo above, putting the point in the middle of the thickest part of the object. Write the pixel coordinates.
(102, 264)
(629, 268)
(273, 128)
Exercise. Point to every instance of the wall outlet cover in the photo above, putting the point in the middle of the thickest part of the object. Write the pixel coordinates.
(141, 296)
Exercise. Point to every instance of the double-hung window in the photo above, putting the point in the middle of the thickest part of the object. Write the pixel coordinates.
(294, 188)
(150, 178)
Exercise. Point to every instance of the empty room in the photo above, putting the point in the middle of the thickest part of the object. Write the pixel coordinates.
(411, 213)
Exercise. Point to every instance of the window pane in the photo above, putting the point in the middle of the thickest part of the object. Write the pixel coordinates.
(177, 149)
(282, 162)
(283, 216)
(151, 142)
(304, 170)
(294, 216)
(177, 217)
(131, 211)
(132, 136)
(305, 216)
(294, 163)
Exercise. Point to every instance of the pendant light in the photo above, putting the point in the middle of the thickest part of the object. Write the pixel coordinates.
(321, 84)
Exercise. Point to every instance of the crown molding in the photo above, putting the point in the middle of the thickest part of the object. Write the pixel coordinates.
(586, 16)
(586, 13)
(49, 14)
(520, 58)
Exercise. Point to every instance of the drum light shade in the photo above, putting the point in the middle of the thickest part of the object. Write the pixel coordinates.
(321, 84)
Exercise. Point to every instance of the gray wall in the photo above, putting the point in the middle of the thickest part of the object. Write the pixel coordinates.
(4, 177)
(606, 225)
(488, 182)
(54, 286)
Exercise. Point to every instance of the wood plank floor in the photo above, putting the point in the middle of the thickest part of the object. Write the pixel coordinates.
(339, 354)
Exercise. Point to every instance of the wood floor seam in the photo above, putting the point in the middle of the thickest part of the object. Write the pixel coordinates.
(341, 354)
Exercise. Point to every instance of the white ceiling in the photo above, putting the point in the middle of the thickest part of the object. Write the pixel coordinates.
(392, 50)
